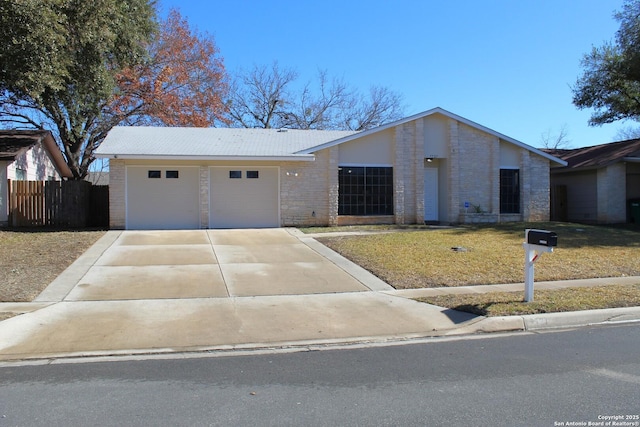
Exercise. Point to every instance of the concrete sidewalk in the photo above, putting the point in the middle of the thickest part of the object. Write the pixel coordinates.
(83, 314)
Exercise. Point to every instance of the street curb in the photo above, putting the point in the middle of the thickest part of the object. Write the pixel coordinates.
(547, 321)
(570, 319)
(472, 329)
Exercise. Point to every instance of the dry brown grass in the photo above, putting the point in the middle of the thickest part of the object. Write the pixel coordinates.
(31, 259)
(545, 301)
(494, 254)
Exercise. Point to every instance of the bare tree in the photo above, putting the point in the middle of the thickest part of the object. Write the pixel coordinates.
(260, 97)
(382, 106)
(264, 97)
(557, 141)
(317, 109)
(627, 132)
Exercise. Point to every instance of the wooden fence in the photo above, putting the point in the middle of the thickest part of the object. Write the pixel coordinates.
(63, 204)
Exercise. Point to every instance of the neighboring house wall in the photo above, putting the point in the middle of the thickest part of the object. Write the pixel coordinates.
(633, 181)
(582, 191)
(600, 195)
(611, 194)
(33, 165)
(36, 165)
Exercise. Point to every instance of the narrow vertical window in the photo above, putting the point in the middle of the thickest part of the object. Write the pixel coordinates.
(509, 191)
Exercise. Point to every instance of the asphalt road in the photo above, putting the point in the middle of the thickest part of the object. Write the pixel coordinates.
(548, 379)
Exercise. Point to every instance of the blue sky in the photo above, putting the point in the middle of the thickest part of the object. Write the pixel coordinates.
(505, 64)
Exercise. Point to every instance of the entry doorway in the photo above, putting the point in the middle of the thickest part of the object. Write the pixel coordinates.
(431, 195)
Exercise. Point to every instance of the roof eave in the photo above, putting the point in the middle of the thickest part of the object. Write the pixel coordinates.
(298, 158)
(631, 159)
(56, 156)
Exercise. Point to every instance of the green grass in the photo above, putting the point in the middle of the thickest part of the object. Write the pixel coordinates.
(494, 254)
(545, 301)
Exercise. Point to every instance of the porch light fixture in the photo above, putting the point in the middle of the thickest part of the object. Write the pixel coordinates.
(292, 173)
(428, 159)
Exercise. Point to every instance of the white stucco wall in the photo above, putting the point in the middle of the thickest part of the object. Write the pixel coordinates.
(436, 136)
(36, 163)
(376, 149)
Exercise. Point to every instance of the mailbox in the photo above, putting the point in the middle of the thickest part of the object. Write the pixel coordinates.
(542, 237)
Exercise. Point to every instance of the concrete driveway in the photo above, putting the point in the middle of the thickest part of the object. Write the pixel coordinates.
(165, 291)
(209, 264)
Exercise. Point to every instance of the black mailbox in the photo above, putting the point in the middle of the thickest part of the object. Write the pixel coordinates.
(542, 237)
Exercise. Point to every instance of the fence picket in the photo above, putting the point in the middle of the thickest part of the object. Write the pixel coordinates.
(73, 204)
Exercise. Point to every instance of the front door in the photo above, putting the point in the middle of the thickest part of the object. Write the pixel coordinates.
(431, 194)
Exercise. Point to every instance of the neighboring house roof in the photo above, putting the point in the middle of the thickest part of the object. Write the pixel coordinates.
(599, 156)
(445, 113)
(14, 143)
(139, 142)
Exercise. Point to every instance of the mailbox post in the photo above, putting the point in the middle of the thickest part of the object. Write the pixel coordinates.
(536, 242)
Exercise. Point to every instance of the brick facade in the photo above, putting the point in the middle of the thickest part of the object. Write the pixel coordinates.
(117, 194)
(469, 171)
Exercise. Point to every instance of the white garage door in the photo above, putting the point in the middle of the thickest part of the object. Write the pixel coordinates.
(162, 197)
(244, 197)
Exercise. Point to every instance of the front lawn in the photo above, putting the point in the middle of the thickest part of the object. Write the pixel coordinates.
(31, 259)
(545, 301)
(490, 254)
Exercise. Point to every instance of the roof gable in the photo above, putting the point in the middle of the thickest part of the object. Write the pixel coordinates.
(14, 143)
(598, 156)
(430, 112)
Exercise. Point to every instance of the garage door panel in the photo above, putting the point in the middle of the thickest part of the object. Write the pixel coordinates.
(242, 197)
(164, 202)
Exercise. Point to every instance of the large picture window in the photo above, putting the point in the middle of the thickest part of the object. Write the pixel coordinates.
(509, 191)
(365, 190)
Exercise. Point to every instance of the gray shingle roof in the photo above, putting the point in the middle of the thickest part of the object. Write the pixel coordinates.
(177, 142)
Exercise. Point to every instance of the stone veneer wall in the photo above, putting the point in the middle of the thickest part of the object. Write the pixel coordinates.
(305, 199)
(477, 153)
(537, 184)
(418, 168)
(203, 177)
(117, 194)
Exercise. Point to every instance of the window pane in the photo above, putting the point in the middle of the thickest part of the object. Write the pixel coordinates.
(154, 174)
(365, 190)
(235, 174)
(171, 174)
(509, 191)
(252, 174)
